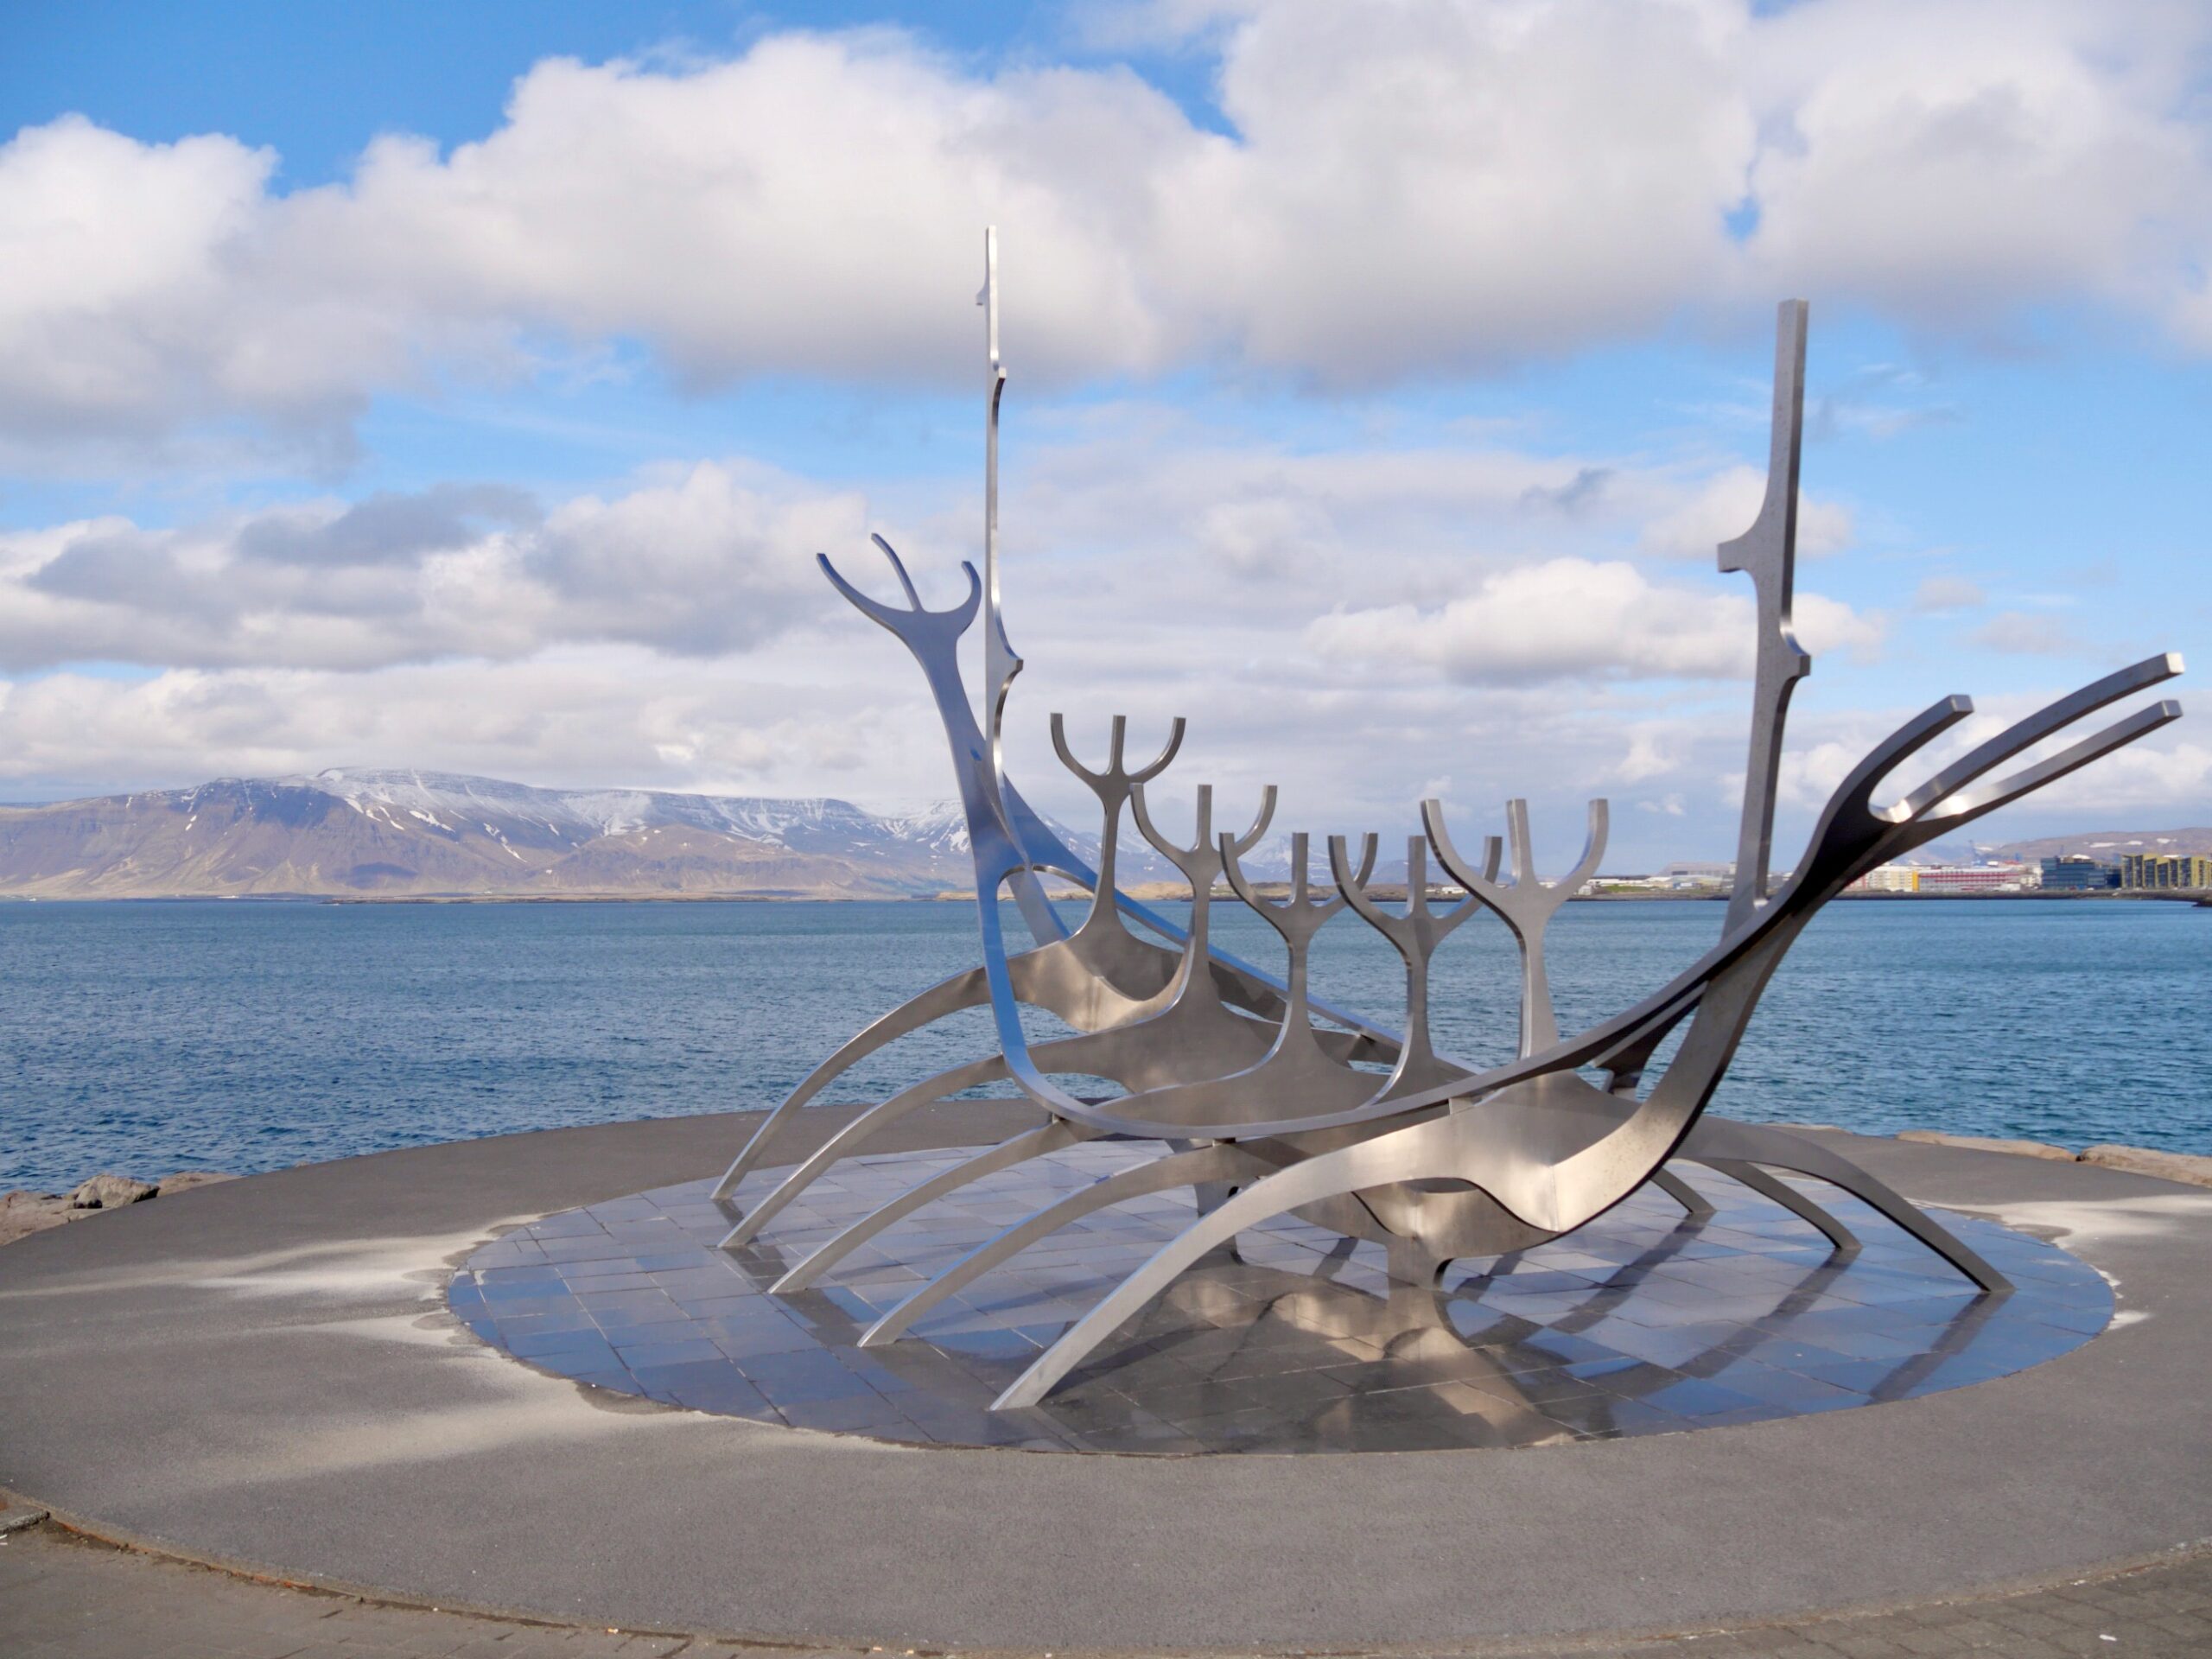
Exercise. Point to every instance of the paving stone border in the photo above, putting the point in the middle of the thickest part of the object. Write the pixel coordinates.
(67, 1596)
(2162, 1165)
(1987, 1143)
(264, 1376)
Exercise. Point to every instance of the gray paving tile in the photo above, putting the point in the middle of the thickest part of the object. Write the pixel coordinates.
(1641, 1324)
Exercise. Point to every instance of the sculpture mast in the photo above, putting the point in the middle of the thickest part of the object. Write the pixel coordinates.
(1000, 665)
(1767, 552)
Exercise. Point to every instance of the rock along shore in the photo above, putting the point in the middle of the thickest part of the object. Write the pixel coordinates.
(22, 1213)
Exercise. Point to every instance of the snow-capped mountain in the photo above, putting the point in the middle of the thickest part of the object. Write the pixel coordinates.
(357, 831)
(818, 825)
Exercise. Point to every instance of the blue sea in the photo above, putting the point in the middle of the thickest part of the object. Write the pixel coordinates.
(148, 1037)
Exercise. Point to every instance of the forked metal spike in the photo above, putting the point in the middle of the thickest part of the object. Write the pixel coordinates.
(1526, 906)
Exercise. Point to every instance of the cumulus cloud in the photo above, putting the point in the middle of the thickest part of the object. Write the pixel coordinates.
(1938, 159)
(1564, 618)
(674, 632)
(610, 715)
(1725, 506)
(1188, 535)
(2148, 778)
(712, 558)
(1403, 190)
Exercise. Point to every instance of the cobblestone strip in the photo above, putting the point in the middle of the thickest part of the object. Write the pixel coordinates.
(66, 1597)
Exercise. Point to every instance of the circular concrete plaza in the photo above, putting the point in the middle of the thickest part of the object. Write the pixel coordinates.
(1661, 1424)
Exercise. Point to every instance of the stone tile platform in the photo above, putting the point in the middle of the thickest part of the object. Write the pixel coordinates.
(265, 1375)
(1645, 1322)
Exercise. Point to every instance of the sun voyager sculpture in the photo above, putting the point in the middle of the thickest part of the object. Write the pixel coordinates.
(1268, 1101)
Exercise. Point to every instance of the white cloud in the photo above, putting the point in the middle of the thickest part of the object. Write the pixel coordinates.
(677, 636)
(711, 559)
(1725, 507)
(1185, 536)
(1937, 595)
(1566, 618)
(1423, 189)
(1945, 159)
(676, 633)
(2153, 778)
(611, 714)
(1407, 191)
(1650, 754)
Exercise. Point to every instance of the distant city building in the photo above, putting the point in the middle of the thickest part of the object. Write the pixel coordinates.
(2160, 870)
(2079, 873)
(1975, 878)
(1888, 878)
(1693, 874)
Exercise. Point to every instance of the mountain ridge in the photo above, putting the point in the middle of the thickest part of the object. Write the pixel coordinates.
(356, 832)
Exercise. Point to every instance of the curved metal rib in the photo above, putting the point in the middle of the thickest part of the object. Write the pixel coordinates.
(967, 990)
(1551, 1149)
(1213, 1163)
(1189, 1033)
(1531, 1137)
(1033, 1143)
(1694, 1203)
(1845, 1241)
(849, 1138)
(1194, 1033)
(1763, 1144)
(1298, 1077)
(1850, 838)
(1318, 1178)
(1050, 977)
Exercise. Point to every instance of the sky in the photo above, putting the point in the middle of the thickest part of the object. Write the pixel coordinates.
(471, 388)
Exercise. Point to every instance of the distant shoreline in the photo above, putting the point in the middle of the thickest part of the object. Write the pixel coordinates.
(1385, 894)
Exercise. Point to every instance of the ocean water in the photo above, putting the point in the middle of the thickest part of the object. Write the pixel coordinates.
(246, 1036)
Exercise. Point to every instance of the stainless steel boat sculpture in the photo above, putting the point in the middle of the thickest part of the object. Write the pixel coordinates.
(1256, 1088)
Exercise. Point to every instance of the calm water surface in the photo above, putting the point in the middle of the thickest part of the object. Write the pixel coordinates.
(149, 1038)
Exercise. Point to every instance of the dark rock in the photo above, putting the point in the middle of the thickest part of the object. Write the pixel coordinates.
(111, 1192)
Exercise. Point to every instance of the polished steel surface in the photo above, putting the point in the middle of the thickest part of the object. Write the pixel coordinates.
(1001, 662)
(1220, 1161)
(1275, 1106)
(1767, 552)
(1526, 905)
(1415, 935)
